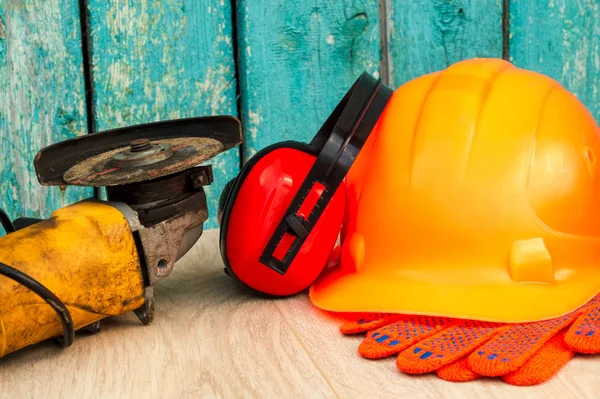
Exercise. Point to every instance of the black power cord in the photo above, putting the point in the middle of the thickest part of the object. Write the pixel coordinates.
(40, 290)
(46, 295)
(6, 223)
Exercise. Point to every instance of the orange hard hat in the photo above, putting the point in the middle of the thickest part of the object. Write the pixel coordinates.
(477, 196)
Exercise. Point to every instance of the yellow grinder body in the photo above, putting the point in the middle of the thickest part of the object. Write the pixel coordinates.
(86, 255)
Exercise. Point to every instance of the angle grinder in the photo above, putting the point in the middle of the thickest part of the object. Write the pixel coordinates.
(100, 258)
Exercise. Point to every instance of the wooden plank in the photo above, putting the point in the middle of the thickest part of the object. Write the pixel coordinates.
(164, 60)
(560, 39)
(351, 376)
(297, 59)
(206, 341)
(210, 339)
(424, 36)
(41, 99)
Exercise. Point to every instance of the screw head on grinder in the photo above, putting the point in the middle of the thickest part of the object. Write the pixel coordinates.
(142, 152)
(140, 145)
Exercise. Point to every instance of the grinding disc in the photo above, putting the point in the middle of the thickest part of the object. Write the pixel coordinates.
(108, 168)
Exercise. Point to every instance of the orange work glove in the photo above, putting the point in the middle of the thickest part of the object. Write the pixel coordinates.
(463, 350)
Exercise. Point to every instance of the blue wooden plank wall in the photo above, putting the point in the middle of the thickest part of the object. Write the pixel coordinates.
(297, 60)
(561, 39)
(42, 98)
(428, 35)
(164, 60)
(281, 66)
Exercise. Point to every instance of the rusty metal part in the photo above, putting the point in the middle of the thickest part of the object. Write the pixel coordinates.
(162, 244)
(101, 170)
(142, 152)
(163, 198)
(53, 161)
(146, 312)
(166, 216)
(166, 242)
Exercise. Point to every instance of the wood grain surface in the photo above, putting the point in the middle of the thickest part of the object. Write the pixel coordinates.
(297, 60)
(561, 39)
(42, 99)
(425, 36)
(164, 60)
(210, 339)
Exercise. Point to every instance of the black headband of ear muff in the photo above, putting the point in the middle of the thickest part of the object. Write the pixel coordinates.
(340, 139)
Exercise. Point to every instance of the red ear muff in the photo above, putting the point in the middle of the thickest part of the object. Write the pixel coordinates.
(283, 213)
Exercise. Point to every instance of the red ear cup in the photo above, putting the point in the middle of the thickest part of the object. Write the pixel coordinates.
(283, 214)
(255, 207)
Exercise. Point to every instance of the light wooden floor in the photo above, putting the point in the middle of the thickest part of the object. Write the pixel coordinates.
(209, 340)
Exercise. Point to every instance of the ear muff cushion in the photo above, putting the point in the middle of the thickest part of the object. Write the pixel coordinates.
(225, 194)
(258, 200)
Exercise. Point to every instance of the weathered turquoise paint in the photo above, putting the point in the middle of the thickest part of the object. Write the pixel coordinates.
(175, 58)
(41, 99)
(561, 39)
(164, 60)
(297, 59)
(428, 35)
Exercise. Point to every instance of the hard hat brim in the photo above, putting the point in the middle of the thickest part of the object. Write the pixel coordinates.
(498, 300)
